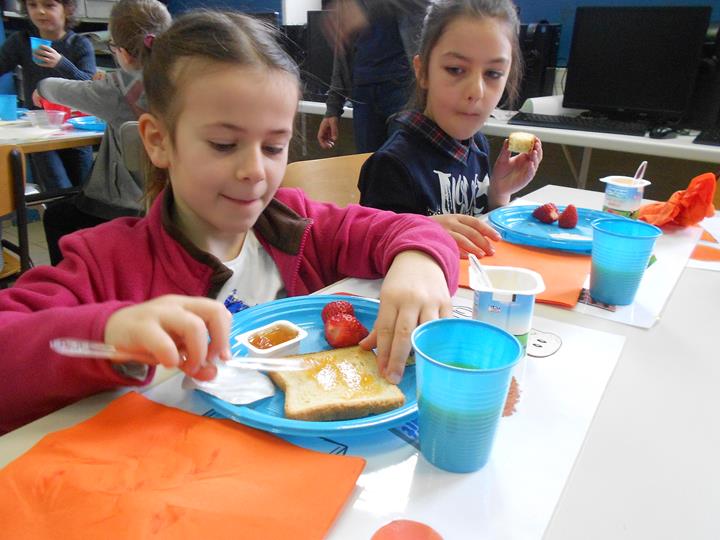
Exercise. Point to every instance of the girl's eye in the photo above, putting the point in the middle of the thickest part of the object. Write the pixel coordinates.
(222, 147)
(452, 70)
(273, 150)
(495, 74)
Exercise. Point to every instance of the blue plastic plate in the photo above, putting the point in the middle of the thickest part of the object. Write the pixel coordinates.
(88, 123)
(267, 414)
(517, 225)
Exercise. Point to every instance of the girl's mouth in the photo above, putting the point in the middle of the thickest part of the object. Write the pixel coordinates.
(241, 202)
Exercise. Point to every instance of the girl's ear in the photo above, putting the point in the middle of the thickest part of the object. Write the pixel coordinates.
(156, 140)
(417, 66)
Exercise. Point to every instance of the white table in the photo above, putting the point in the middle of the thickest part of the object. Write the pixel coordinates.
(680, 147)
(648, 468)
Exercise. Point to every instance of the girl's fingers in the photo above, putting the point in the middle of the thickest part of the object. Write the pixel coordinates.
(384, 330)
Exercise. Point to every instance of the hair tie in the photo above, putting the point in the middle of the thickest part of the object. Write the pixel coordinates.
(148, 40)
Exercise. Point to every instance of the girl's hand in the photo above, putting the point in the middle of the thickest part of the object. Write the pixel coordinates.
(47, 56)
(414, 291)
(511, 174)
(471, 234)
(173, 331)
(36, 99)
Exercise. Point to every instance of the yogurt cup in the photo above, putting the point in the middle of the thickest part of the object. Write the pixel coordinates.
(623, 195)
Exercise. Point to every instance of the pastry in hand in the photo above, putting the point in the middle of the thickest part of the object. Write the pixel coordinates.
(520, 142)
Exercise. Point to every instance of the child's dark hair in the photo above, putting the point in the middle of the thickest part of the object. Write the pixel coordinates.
(441, 13)
(214, 37)
(135, 23)
(70, 7)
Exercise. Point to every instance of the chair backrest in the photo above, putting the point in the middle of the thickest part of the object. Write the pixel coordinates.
(331, 179)
(132, 149)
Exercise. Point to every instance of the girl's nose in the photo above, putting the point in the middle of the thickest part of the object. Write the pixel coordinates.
(476, 89)
(250, 167)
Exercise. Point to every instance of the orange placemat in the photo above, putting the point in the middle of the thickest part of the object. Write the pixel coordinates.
(707, 253)
(563, 273)
(143, 470)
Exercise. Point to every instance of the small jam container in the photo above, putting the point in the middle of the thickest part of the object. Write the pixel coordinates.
(278, 338)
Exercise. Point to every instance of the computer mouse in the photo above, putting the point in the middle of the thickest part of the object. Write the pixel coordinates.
(662, 132)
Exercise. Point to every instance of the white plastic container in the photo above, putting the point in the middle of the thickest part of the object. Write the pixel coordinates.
(510, 302)
(285, 348)
(623, 195)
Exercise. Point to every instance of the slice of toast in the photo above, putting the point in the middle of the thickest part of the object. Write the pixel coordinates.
(340, 384)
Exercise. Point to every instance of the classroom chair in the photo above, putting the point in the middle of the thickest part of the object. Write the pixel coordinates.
(331, 179)
(15, 198)
(132, 148)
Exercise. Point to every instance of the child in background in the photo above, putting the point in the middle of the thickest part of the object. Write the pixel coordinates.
(70, 57)
(222, 96)
(437, 162)
(111, 191)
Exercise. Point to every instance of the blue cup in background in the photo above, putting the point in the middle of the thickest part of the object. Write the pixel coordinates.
(621, 249)
(8, 107)
(463, 370)
(35, 42)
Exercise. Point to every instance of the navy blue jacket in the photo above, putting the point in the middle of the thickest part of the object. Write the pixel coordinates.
(412, 174)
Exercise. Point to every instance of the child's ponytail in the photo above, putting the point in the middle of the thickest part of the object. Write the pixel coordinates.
(134, 24)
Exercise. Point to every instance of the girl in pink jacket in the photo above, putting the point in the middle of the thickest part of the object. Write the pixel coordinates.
(222, 97)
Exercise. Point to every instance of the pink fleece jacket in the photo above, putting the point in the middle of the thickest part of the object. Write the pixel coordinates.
(131, 260)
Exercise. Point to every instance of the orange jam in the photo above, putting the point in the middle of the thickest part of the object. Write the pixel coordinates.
(275, 335)
(343, 375)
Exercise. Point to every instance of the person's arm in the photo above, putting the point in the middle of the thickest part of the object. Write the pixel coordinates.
(340, 83)
(83, 67)
(97, 98)
(386, 184)
(46, 303)
(418, 259)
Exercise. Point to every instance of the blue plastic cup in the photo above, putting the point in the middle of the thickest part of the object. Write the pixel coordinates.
(35, 42)
(463, 370)
(8, 107)
(621, 249)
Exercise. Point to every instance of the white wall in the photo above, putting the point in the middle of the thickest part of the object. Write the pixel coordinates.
(295, 11)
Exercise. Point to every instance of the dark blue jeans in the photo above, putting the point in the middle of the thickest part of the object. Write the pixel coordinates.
(60, 169)
(372, 105)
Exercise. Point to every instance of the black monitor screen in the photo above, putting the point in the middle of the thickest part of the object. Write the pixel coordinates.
(635, 59)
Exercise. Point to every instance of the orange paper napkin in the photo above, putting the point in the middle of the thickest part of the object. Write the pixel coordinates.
(563, 273)
(707, 253)
(685, 207)
(143, 470)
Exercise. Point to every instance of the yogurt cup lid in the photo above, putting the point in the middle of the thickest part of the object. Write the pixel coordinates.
(626, 181)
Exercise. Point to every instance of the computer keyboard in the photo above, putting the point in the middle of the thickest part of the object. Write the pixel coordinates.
(709, 136)
(580, 123)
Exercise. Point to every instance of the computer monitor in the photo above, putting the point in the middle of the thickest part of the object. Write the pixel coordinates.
(635, 61)
(539, 44)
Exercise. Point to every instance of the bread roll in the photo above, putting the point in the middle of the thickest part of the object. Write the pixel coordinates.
(520, 142)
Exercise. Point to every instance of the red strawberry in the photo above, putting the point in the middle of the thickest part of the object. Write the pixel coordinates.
(344, 330)
(338, 306)
(569, 218)
(547, 213)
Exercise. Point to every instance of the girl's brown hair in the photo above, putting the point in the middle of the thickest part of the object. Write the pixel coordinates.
(70, 7)
(134, 24)
(442, 13)
(214, 38)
